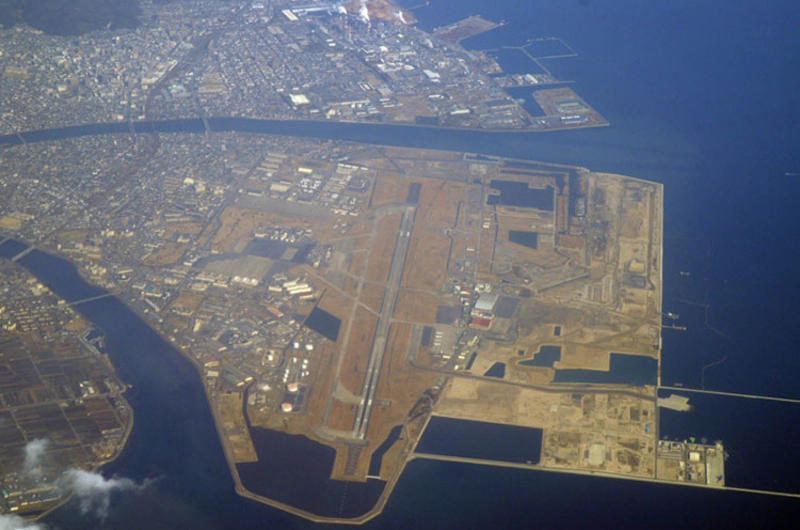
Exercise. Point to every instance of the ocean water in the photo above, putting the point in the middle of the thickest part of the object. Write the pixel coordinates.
(477, 439)
(701, 96)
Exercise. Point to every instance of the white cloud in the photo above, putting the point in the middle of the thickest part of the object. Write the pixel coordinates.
(15, 522)
(93, 491)
(34, 451)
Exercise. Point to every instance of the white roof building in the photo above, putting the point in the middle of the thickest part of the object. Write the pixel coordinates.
(486, 302)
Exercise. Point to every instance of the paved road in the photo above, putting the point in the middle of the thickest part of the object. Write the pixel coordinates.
(552, 388)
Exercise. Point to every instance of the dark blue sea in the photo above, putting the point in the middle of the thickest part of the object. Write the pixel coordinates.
(702, 96)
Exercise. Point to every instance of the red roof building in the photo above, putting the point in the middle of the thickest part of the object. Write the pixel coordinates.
(480, 323)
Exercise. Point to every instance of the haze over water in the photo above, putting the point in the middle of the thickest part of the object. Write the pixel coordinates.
(701, 97)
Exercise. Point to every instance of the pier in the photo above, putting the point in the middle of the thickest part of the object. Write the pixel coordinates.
(729, 394)
(596, 473)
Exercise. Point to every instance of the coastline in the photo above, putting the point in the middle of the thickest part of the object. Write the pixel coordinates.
(96, 466)
(408, 451)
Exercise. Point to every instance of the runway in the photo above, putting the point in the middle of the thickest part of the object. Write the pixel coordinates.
(375, 364)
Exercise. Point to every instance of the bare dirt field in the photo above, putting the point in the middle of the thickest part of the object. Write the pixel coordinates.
(168, 254)
(380, 256)
(372, 296)
(229, 410)
(389, 189)
(427, 260)
(356, 355)
(416, 306)
(237, 225)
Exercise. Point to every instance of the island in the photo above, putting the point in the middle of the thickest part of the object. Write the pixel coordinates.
(351, 308)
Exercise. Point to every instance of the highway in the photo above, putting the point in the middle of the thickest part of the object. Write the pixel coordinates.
(552, 388)
(384, 321)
